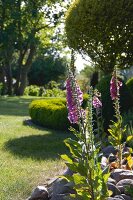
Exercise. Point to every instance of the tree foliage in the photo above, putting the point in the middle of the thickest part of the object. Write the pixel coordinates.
(45, 69)
(103, 30)
(21, 23)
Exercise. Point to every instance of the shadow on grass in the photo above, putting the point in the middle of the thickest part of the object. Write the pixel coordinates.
(39, 147)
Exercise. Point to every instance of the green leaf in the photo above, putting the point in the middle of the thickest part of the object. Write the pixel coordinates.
(74, 147)
(110, 193)
(113, 141)
(106, 176)
(130, 137)
(78, 179)
(66, 158)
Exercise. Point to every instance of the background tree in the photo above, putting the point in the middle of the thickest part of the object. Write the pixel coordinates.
(102, 30)
(45, 69)
(84, 77)
(21, 22)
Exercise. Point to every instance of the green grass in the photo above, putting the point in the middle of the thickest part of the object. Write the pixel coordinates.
(29, 155)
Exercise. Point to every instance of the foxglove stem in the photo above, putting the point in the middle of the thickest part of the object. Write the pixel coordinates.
(115, 85)
(74, 100)
(89, 141)
(118, 116)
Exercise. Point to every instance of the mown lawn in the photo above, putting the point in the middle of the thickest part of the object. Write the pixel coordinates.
(29, 155)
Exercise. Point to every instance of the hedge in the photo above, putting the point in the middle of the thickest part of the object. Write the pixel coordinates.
(51, 113)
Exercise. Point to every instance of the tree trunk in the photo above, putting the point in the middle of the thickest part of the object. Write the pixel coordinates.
(16, 88)
(3, 75)
(9, 82)
(23, 80)
(20, 60)
(25, 69)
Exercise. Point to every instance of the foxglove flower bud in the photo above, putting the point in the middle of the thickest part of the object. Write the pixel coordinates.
(96, 102)
(114, 87)
(74, 96)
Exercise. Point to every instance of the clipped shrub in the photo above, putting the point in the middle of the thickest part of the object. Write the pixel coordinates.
(129, 84)
(50, 113)
(126, 99)
(32, 90)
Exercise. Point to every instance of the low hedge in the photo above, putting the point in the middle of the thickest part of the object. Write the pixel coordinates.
(51, 113)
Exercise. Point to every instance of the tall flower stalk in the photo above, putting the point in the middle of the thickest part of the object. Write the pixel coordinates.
(88, 178)
(99, 130)
(116, 130)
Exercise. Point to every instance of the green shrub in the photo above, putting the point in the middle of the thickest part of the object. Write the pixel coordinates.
(128, 117)
(50, 113)
(129, 84)
(52, 84)
(1, 88)
(126, 100)
(55, 92)
(32, 90)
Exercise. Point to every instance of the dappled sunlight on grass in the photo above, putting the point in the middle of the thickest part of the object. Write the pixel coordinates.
(30, 155)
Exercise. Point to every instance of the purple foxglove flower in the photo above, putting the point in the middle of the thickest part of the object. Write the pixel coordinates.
(96, 102)
(114, 87)
(73, 112)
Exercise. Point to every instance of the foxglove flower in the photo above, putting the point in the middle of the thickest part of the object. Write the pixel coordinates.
(74, 95)
(114, 87)
(96, 102)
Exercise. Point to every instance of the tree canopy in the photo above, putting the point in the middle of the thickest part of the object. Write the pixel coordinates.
(45, 69)
(22, 24)
(103, 30)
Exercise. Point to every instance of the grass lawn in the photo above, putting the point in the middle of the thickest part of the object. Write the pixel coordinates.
(29, 156)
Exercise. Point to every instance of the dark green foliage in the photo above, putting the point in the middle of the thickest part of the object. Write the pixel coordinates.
(94, 79)
(85, 100)
(126, 100)
(129, 84)
(128, 117)
(50, 113)
(46, 69)
(1, 88)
